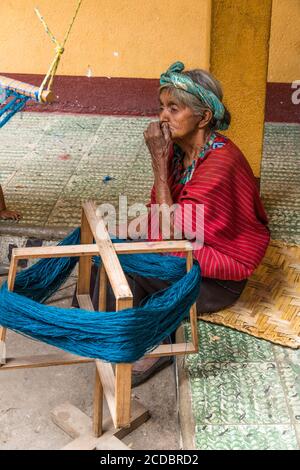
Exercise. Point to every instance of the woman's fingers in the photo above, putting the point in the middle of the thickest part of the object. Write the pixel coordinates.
(158, 132)
(158, 141)
(166, 131)
(153, 130)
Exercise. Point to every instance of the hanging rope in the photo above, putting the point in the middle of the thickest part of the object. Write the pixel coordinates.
(14, 94)
(59, 50)
(117, 337)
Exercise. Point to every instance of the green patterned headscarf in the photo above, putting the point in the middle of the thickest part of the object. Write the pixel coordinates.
(174, 77)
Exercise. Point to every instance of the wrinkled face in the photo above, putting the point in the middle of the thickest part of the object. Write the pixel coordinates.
(181, 119)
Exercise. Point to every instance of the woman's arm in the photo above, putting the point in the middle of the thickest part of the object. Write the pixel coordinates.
(158, 140)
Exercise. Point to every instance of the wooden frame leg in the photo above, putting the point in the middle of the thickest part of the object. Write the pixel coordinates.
(79, 426)
(83, 292)
(85, 262)
(123, 381)
(98, 391)
(98, 406)
(193, 310)
(123, 395)
(10, 285)
(102, 289)
(2, 346)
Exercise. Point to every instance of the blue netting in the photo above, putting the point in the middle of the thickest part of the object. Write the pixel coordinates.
(10, 103)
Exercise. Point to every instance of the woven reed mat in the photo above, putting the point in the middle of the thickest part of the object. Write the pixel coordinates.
(269, 306)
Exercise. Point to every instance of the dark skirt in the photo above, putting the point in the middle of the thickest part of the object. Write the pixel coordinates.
(214, 294)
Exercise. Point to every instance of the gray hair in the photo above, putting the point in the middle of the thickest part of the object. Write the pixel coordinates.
(205, 79)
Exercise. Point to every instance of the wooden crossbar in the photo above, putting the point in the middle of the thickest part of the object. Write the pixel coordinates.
(25, 89)
(107, 252)
(43, 360)
(92, 249)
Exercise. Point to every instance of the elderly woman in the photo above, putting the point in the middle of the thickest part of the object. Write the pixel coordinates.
(195, 165)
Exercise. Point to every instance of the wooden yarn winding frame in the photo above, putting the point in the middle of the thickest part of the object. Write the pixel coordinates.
(125, 414)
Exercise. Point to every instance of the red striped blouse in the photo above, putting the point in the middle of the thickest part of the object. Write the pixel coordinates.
(236, 235)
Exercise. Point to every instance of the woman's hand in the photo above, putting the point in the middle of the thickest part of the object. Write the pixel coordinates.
(158, 140)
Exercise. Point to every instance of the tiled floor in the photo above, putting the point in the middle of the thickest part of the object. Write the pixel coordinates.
(245, 391)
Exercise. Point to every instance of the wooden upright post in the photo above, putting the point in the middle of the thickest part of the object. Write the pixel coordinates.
(10, 285)
(193, 311)
(83, 296)
(123, 381)
(124, 299)
(98, 391)
(85, 262)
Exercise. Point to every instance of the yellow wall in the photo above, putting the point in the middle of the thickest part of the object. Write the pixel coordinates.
(284, 62)
(121, 38)
(239, 59)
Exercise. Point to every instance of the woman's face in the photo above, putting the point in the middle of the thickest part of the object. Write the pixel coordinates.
(181, 119)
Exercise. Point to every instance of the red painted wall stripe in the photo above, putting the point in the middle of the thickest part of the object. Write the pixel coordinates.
(137, 97)
(98, 95)
(279, 105)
